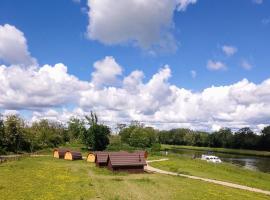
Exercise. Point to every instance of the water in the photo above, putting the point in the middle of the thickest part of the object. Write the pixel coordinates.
(248, 162)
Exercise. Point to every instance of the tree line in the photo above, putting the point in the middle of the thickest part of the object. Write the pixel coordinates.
(18, 136)
(244, 138)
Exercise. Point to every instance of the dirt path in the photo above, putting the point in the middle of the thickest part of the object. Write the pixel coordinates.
(227, 184)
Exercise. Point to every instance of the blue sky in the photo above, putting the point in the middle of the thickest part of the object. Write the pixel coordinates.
(58, 32)
(55, 31)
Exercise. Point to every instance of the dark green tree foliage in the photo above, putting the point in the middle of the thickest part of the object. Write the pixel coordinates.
(264, 141)
(245, 138)
(221, 138)
(97, 136)
(2, 135)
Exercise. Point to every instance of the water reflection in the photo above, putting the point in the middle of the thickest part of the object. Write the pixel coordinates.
(249, 162)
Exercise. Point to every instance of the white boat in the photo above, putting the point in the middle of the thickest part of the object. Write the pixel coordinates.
(209, 158)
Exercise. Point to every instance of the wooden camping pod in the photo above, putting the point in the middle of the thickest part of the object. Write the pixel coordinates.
(101, 158)
(72, 155)
(91, 157)
(59, 153)
(125, 161)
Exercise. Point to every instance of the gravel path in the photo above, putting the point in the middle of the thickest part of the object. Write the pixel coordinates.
(227, 184)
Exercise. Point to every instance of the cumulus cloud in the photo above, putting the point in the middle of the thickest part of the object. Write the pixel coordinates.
(229, 50)
(163, 105)
(156, 102)
(216, 65)
(50, 91)
(38, 88)
(106, 72)
(13, 47)
(146, 24)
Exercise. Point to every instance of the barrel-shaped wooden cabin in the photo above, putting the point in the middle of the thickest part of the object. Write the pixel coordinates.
(59, 153)
(124, 161)
(73, 155)
(91, 157)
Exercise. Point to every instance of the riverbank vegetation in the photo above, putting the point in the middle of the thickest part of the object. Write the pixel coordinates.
(244, 138)
(42, 178)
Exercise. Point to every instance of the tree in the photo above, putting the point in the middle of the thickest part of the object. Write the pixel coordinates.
(245, 138)
(49, 133)
(142, 137)
(126, 133)
(97, 136)
(14, 133)
(222, 138)
(2, 135)
(76, 128)
(264, 142)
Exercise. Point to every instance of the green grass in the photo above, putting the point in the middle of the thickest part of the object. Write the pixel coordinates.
(219, 150)
(223, 171)
(45, 178)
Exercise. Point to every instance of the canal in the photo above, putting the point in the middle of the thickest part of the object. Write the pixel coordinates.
(249, 162)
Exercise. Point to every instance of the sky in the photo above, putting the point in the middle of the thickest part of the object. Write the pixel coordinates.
(196, 64)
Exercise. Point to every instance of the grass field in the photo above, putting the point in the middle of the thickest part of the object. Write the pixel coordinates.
(223, 171)
(219, 150)
(45, 178)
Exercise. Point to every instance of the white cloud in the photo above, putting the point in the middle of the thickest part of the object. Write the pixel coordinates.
(13, 47)
(155, 102)
(106, 72)
(229, 50)
(38, 88)
(146, 24)
(216, 65)
(50, 91)
(183, 4)
(193, 73)
(160, 104)
(133, 82)
(246, 65)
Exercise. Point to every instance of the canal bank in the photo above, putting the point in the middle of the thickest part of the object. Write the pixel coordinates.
(248, 159)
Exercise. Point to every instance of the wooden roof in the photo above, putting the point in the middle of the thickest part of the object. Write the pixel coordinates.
(75, 155)
(101, 156)
(126, 159)
(61, 150)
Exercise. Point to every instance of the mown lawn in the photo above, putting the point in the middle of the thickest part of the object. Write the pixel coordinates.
(45, 178)
(223, 171)
(219, 150)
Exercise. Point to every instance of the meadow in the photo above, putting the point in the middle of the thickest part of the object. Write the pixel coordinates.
(46, 178)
